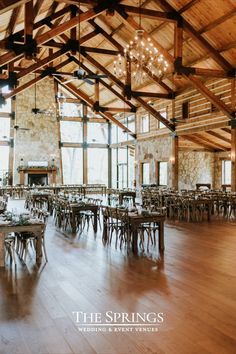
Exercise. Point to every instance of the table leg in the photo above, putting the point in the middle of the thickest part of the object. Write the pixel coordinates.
(38, 235)
(2, 250)
(134, 239)
(161, 236)
(95, 221)
(105, 228)
(73, 223)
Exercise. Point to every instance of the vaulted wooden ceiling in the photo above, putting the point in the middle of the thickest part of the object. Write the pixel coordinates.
(197, 37)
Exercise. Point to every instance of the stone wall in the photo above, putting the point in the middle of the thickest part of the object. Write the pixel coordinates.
(195, 167)
(152, 150)
(40, 142)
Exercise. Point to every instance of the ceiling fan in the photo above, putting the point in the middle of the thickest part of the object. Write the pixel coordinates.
(37, 110)
(16, 127)
(80, 74)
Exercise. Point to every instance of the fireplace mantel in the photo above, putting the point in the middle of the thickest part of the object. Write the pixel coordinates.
(50, 171)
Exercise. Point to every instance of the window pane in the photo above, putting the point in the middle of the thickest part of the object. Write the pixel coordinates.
(6, 108)
(131, 124)
(71, 110)
(122, 155)
(164, 115)
(146, 173)
(163, 173)
(98, 133)
(131, 158)
(114, 168)
(71, 132)
(4, 128)
(4, 164)
(114, 134)
(122, 136)
(145, 123)
(97, 166)
(72, 162)
(226, 172)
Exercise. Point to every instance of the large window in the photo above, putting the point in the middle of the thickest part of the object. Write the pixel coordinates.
(97, 166)
(162, 173)
(6, 108)
(71, 132)
(72, 162)
(68, 109)
(226, 172)
(164, 114)
(146, 173)
(97, 133)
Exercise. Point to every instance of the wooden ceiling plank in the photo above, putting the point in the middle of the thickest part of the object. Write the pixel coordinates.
(196, 141)
(198, 136)
(218, 136)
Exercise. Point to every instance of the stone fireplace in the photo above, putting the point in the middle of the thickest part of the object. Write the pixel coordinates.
(39, 176)
(37, 179)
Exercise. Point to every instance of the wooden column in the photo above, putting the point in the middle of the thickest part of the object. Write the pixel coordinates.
(174, 163)
(109, 157)
(233, 140)
(58, 133)
(11, 149)
(85, 143)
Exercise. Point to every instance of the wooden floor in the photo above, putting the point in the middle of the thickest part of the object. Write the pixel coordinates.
(194, 285)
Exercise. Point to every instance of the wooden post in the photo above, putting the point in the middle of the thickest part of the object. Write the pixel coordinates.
(58, 132)
(174, 163)
(85, 148)
(233, 141)
(11, 152)
(109, 156)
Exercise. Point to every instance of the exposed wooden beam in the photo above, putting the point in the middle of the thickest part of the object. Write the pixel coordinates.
(13, 20)
(28, 27)
(218, 136)
(57, 30)
(188, 6)
(100, 51)
(210, 142)
(131, 23)
(32, 82)
(197, 37)
(227, 130)
(80, 94)
(106, 85)
(196, 141)
(167, 96)
(115, 109)
(7, 5)
(150, 109)
(147, 13)
(210, 96)
(37, 7)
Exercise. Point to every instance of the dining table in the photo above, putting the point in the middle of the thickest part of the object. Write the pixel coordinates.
(77, 208)
(37, 228)
(135, 220)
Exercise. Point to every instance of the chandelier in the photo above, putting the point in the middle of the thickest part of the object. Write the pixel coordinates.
(143, 56)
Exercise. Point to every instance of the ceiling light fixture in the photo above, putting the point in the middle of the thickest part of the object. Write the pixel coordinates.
(144, 57)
